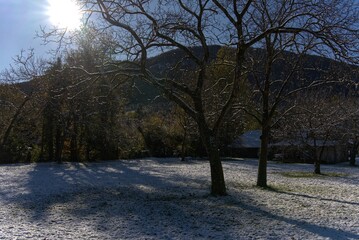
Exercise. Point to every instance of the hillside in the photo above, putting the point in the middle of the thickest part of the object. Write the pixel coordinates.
(314, 68)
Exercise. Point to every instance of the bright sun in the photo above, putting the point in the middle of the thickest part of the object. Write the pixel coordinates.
(64, 14)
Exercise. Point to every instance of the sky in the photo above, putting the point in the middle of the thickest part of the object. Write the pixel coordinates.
(19, 21)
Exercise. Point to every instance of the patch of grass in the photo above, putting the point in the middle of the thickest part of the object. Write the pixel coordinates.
(312, 175)
(295, 189)
(298, 174)
(277, 188)
(335, 174)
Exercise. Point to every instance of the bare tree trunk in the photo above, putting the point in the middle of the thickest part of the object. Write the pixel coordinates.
(218, 186)
(317, 158)
(317, 167)
(183, 147)
(354, 151)
(49, 138)
(73, 143)
(263, 158)
(59, 143)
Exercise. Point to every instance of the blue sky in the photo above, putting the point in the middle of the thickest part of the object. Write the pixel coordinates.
(19, 21)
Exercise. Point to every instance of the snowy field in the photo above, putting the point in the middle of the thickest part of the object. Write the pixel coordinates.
(168, 199)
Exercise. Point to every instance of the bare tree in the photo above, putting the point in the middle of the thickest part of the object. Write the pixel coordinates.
(278, 72)
(319, 122)
(141, 29)
(282, 67)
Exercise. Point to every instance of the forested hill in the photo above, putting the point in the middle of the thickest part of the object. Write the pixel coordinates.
(313, 68)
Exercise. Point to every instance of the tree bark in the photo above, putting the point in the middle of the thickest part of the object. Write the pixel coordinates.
(183, 146)
(218, 186)
(49, 137)
(73, 143)
(263, 158)
(59, 144)
(266, 116)
(354, 152)
(317, 158)
(317, 167)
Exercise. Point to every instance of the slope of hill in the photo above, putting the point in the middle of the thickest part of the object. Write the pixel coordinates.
(312, 68)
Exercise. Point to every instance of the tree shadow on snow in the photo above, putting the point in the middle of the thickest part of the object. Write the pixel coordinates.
(312, 197)
(167, 215)
(50, 184)
(326, 232)
(128, 199)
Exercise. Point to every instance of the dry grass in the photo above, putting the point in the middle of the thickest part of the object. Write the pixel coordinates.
(298, 174)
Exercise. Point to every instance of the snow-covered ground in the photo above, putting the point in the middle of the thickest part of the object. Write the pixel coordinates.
(168, 199)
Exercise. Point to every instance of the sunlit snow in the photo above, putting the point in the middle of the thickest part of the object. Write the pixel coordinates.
(168, 199)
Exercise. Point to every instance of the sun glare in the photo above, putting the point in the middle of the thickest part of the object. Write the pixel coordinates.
(64, 14)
